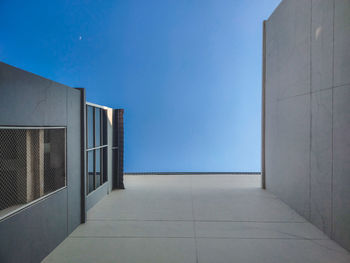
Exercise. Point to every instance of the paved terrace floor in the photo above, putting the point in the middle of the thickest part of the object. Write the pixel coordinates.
(195, 219)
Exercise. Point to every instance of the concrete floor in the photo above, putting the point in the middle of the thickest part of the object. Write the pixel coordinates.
(197, 218)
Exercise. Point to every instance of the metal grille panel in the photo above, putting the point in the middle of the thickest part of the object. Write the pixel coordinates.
(32, 164)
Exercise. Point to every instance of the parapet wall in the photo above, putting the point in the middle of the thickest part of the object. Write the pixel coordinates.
(307, 118)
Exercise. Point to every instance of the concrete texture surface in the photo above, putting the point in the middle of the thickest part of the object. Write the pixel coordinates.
(341, 42)
(321, 160)
(288, 49)
(307, 153)
(341, 165)
(30, 100)
(195, 218)
(322, 44)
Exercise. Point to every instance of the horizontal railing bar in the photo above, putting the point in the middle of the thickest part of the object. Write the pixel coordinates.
(96, 148)
(188, 173)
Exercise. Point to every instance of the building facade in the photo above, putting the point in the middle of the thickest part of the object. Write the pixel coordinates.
(306, 111)
(59, 155)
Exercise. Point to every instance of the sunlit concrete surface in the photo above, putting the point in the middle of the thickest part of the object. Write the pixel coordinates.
(195, 218)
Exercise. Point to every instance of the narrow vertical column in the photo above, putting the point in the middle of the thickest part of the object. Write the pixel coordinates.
(83, 162)
(118, 146)
(263, 110)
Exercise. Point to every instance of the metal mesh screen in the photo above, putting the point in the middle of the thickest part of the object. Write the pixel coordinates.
(32, 164)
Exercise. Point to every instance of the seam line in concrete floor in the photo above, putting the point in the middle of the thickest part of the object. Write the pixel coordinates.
(194, 221)
(188, 220)
(200, 237)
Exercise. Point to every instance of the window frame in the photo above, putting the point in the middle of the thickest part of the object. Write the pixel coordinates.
(47, 195)
(103, 146)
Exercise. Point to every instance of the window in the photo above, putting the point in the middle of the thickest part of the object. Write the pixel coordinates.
(97, 127)
(32, 165)
(91, 173)
(90, 127)
(96, 148)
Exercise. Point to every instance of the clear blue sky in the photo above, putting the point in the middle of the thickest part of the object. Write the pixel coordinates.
(188, 73)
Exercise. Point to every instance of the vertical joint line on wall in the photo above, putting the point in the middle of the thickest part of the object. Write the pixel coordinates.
(332, 162)
(263, 109)
(310, 143)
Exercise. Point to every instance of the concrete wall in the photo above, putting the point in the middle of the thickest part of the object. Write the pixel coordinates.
(97, 195)
(29, 100)
(307, 133)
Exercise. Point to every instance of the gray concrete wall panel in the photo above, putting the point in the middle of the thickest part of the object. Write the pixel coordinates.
(271, 145)
(94, 197)
(342, 43)
(287, 107)
(73, 158)
(314, 120)
(288, 49)
(321, 160)
(28, 99)
(322, 45)
(341, 166)
(31, 234)
(291, 157)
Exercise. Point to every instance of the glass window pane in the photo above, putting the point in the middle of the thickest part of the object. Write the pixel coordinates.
(104, 127)
(90, 171)
(90, 126)
(104, 166)
(98, 168)
(98, 126)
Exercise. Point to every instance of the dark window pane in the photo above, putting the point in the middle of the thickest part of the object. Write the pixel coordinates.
(90, 171)
(104, 127)
(98, 126)
(90, 126)
(98, 168)
(104, 166)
